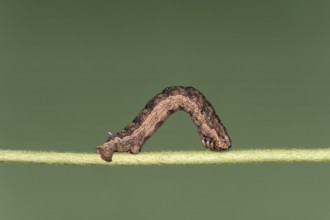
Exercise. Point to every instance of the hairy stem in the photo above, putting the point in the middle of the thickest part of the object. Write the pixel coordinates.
(167, 158)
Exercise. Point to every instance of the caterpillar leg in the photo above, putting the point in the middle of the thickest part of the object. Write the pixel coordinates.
(135, 150)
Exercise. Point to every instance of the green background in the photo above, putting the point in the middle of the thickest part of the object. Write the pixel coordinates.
(72, 70)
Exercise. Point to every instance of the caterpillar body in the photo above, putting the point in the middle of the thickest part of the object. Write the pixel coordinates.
(131, 139)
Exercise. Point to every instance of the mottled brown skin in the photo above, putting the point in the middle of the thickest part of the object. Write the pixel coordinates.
(131, 139)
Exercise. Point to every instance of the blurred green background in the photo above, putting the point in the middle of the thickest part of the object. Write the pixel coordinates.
(70, 71)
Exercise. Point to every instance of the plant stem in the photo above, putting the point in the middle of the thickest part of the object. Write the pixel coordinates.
(166, 157)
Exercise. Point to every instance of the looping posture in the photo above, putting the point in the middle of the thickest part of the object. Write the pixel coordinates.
(131, 139)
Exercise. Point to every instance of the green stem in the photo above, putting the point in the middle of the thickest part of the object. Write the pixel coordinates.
(176, 157)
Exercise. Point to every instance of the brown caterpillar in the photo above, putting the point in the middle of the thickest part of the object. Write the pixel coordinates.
(131, 139)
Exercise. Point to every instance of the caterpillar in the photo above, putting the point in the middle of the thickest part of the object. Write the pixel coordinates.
(131, 139)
